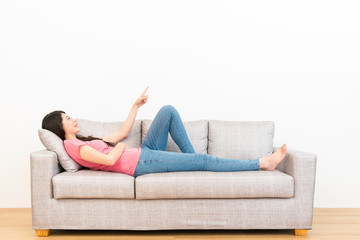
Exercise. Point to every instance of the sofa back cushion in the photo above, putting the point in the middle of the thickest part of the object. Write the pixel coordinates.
(100, 129)
(197, 132)
(240, 139)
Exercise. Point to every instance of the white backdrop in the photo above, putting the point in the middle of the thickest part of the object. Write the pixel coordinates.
(295, 63)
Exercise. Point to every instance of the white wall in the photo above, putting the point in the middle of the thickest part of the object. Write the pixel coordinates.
(295, 63)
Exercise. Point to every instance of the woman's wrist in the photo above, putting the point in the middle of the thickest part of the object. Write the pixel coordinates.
(135, 106)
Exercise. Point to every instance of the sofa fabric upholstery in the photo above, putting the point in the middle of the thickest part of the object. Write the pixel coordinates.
(100, 129)
(93, 184)
(172, 185)
(301, 166)
(206, 184)
(240, 139)
(87, 199)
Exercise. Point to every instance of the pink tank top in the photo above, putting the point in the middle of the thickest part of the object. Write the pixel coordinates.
(126, 163)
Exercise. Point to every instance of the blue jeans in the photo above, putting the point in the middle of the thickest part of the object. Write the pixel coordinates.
(154, 158)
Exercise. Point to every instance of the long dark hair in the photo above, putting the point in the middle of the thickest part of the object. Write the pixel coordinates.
(53, 122)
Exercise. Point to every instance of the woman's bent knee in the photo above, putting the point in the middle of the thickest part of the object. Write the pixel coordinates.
(168, 107)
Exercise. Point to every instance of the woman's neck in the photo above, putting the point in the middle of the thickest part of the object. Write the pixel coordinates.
(70, 137)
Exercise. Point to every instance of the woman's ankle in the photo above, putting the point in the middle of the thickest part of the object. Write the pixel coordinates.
(264, 163)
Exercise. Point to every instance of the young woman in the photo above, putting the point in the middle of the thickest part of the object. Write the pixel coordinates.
(151, 157)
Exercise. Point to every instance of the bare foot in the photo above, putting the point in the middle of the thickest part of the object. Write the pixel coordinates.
(270, 162)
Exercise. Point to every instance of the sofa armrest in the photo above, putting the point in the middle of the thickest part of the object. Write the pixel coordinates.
(302, 167)
(44, 165)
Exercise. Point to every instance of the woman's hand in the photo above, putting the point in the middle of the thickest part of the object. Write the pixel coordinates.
(142, 99)
(121, 144)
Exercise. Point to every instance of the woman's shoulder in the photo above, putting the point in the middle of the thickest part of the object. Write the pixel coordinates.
(77, 142)
(74, 141)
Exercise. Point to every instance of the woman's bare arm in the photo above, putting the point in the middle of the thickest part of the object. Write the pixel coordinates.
(90, 154)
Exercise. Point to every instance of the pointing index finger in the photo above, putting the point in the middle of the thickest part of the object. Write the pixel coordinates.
(145, 90)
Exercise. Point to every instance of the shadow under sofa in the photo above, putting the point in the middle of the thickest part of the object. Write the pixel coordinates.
(87, 199)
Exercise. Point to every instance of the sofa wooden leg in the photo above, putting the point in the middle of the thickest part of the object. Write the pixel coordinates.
(43, 232)
(300, 232)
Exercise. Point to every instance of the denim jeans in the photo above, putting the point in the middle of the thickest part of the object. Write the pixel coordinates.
(154, 158)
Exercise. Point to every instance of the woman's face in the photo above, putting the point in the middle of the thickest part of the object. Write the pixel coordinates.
(69, 124)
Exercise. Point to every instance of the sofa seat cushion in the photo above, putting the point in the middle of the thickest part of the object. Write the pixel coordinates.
(87, 183)
(208, 184)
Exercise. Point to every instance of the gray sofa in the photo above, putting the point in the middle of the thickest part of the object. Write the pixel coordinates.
(87, 199)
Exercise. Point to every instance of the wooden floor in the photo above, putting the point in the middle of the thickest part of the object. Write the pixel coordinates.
(328, 224)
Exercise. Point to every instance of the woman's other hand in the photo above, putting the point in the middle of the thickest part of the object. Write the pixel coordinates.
(142, 99)
(121, 144)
